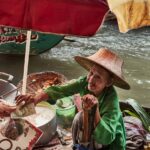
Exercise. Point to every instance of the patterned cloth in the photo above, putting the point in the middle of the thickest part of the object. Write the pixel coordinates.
(135, 133)
(53, 144)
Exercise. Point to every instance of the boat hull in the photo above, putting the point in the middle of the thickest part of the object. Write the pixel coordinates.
(13, 41)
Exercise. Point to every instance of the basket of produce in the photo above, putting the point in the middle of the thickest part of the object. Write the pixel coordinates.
(41, 80)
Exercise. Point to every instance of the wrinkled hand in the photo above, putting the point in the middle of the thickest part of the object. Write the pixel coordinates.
(6, 109)
(23, 100)
(89, 101)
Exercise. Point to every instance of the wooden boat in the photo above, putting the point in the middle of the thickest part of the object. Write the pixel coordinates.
(13, 41)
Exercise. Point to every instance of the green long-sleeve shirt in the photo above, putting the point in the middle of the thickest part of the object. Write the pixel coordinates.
(110, 130)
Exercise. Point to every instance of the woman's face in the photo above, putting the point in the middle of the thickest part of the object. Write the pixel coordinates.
(98, 78)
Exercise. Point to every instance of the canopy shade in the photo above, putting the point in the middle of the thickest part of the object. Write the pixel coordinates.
(71, 17)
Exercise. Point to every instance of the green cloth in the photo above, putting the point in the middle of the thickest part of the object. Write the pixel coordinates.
(110, 130)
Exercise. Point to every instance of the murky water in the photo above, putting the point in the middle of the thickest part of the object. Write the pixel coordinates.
(133, 47)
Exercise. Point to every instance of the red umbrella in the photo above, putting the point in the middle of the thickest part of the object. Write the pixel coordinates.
(75, 17)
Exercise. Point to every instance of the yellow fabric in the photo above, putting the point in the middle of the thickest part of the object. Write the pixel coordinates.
(131, 14)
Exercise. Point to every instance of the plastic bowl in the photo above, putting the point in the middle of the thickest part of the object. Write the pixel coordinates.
(65, 116)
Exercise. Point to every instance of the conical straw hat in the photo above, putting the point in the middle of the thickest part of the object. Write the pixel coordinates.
(108, 60)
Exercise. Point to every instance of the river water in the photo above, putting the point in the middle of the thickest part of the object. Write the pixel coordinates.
(133, 47)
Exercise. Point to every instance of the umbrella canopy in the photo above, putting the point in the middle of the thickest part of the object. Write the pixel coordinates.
(75, 17)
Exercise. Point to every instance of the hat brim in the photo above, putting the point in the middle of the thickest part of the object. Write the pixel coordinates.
(88, 63)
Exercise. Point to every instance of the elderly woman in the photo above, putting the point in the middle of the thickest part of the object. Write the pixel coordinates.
(97, 91)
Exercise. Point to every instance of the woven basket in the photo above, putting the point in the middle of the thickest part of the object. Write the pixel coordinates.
(41, 80)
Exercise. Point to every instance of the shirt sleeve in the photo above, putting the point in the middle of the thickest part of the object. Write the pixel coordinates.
(59, 91)
(105, 131)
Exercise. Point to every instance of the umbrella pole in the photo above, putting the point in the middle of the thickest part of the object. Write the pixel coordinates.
(26, 62)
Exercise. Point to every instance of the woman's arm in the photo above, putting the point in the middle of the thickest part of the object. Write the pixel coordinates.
(52, 93)
(59, 91)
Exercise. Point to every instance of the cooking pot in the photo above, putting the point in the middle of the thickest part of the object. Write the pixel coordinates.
(49, 130)
(44, 119)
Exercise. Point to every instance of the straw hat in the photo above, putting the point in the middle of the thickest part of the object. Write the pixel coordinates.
(108, 60)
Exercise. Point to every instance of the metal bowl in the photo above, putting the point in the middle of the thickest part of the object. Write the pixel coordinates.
(8, 91)
(49, 130)
(44, 119)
